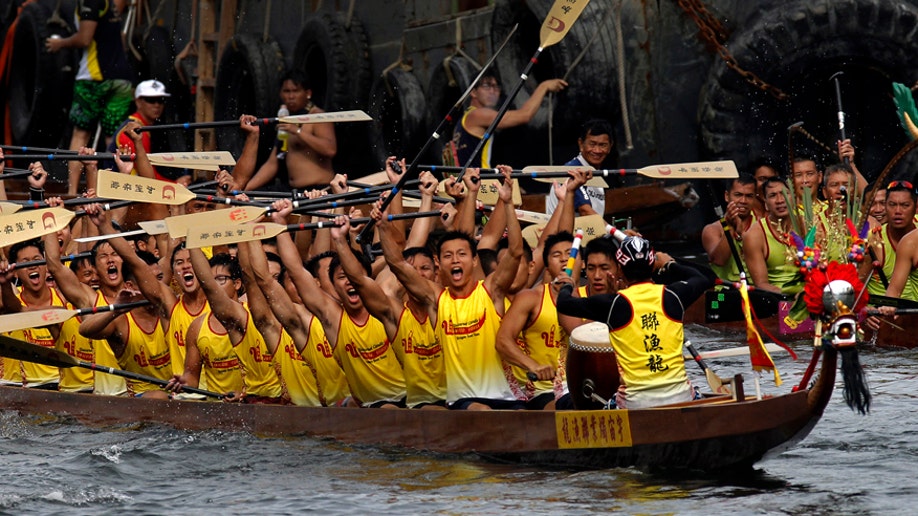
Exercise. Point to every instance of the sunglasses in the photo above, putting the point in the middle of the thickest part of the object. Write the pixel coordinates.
(906, 185)
(154, 100)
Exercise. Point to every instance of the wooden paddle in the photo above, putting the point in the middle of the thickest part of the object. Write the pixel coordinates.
(55, 315)
(115, 185)
(441, 127)
(715, 382)
(26, 352)
(201, 237)
(735, 352)
(699, 170)
(211, 160)
(26, 225)
(878, 300)
(177, 226)
(354, 115)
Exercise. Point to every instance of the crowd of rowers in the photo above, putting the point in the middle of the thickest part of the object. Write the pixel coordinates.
(472, 319)
(765, 214)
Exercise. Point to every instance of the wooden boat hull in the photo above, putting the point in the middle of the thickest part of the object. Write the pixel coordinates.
(712, 434)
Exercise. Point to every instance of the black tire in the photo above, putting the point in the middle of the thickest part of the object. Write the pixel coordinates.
(41, 89)
(8, 11)
(797, 46)
(336, 58)
(399, 110)
(596, 69)
(248, 82)
(447, 83)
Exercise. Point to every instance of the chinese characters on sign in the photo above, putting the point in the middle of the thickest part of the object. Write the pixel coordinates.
(593, 429)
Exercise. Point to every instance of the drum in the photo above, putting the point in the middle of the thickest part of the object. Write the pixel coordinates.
(591, 366)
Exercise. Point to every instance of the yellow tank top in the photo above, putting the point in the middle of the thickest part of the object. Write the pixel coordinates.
(297, 376)
(373, 373)
(466, 329)
(782, 272)
(179, 321)
(332, 384)
(421, 356)
(545, 342)
(649, 350)
(69, 340)
(145, 353)
(104, 383)
(257, 371)
(220, 369)
(34, 375)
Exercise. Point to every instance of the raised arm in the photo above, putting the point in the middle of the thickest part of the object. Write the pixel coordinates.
(498, 283)
(153, 289)
(276, 297)
(228, 311)
(245, 165)
(426, 292)
(484, 117)
(265, 321)
(374, 299)
(75, 291)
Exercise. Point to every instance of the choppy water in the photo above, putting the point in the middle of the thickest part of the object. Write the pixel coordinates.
(848, 465)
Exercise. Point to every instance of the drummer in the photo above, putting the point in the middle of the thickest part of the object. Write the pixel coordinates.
(645, 320)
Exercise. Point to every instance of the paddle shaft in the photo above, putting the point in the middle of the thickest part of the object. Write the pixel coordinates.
(841, 111)
(144, 378)
(25, 149)
(203, 125)
(60, 156)
(714, 382)
(434, 136)
(37, 263)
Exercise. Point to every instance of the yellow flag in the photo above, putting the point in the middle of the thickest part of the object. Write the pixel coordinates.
(759, 356)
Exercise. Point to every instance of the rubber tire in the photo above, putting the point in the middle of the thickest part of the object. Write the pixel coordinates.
(41, 89)
(797, 46)
(248, 82)
(336, 58)
(399, 112)
(596, 69)
(442, 95)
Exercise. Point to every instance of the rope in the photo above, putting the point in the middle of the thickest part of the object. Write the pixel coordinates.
(265, 33)
(458, 50)
(350, 14)
(620, 65)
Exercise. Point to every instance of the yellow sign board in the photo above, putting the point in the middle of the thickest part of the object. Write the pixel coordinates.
(593, 429)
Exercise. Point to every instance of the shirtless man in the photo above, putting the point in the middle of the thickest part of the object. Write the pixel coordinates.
(740, 198)
(304, 158)
(481, 114)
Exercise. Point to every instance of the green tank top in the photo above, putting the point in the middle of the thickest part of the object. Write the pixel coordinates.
(782, 272)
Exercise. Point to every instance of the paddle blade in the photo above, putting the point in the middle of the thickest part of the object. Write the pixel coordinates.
(354, 115)
(703, 170)
(212, 160)
(8, 208)
(596, 181)
(153, 227)
(26, 225)
(562, 16)
(19, 350)
(113, 185)
(208, 236)
(178, 226)
(34, 318)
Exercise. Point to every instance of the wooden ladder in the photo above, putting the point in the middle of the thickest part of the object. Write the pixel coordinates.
(216, 25)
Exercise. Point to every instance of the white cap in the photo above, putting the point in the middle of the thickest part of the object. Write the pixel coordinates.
(152, 88)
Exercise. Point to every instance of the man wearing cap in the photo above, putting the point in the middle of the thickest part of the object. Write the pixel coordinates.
(150, 99)
(102, 91)
(645, 322)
